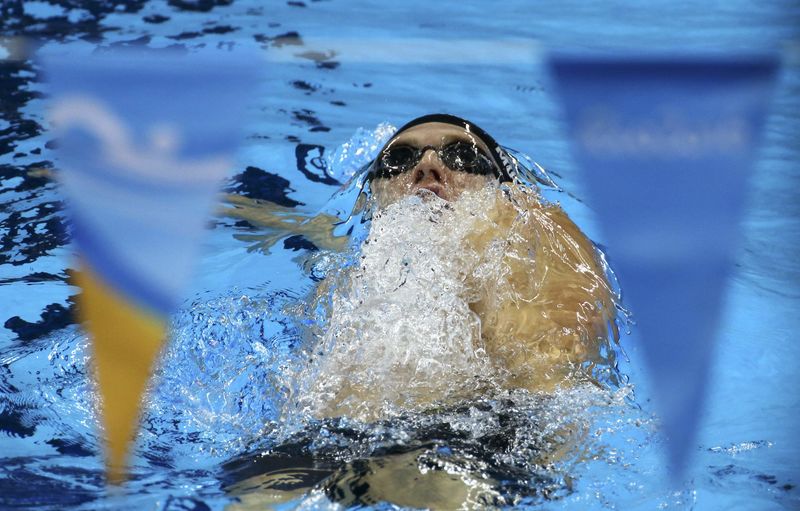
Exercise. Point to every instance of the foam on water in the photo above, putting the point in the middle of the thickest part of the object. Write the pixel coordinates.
(401, 333)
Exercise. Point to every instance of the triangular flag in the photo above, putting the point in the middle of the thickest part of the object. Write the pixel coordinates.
(144, 139)
(666, 145)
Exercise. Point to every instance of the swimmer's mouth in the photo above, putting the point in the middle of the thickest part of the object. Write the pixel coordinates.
(433, 188)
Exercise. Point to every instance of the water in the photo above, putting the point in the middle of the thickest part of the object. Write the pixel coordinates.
(217, 432)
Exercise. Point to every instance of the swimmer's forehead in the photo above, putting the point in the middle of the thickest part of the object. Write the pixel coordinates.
(436, 134)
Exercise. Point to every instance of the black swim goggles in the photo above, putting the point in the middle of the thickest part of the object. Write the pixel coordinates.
(460, 156)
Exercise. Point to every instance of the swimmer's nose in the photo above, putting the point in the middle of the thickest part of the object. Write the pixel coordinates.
(430, 168)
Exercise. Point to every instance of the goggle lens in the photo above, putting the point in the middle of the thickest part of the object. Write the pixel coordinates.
(460, 156)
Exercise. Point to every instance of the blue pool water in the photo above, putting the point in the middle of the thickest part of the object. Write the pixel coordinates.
(213, 424)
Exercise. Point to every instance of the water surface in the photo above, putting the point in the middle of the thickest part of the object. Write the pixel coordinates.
(211, 416)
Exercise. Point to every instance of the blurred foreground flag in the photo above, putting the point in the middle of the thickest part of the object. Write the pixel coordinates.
(144, 140)
(666, 146)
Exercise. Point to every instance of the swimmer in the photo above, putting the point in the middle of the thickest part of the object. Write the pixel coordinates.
(469, 282)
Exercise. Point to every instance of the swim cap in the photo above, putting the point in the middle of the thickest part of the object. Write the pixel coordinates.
(506, 165)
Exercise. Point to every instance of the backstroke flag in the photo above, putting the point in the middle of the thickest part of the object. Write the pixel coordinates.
(144, 139)
(666, 145)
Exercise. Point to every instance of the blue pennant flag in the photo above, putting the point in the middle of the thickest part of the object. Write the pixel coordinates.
(666, 145)
(144, 140)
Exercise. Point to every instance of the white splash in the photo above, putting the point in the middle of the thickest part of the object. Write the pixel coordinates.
(361, 149)
(401, 334)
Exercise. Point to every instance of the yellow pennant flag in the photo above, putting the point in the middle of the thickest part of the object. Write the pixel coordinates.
(126, 341)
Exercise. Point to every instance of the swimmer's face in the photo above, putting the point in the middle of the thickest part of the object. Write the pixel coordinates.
(452, 162)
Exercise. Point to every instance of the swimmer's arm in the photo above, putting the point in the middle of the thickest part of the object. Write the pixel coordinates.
(280, 221)
(556, 319)
(590, 281)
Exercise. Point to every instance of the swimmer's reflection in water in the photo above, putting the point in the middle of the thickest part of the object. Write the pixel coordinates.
(468, 283)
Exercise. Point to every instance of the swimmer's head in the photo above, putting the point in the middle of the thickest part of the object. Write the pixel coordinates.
(438, 154)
